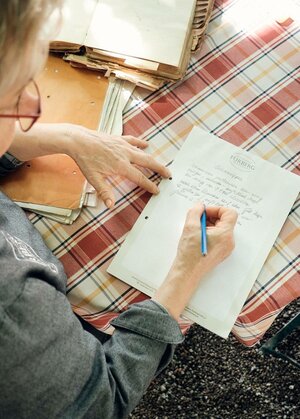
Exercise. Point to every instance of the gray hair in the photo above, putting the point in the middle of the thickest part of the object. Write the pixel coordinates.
(23, 40)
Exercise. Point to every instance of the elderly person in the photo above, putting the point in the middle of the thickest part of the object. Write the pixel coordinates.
(50, 366)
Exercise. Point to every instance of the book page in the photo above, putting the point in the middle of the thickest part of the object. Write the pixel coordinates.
(212, 171)
(154, 30)
(76, 18)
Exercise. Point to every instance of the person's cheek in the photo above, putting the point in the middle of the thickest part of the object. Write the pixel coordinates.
(7, 134)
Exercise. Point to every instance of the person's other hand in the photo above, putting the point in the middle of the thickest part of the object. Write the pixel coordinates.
(100, 155)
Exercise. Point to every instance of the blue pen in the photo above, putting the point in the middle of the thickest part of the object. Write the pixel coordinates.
(203, 233)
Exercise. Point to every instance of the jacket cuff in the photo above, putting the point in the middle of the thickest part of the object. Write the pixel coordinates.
(9, 163)
(151, 320)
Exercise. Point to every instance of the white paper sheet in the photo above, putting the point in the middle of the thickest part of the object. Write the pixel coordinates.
(117, 122)
(153, 30)
(76, 18)
(117, 96)
(215, 172)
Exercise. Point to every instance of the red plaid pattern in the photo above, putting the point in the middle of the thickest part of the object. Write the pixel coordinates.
(243, 85)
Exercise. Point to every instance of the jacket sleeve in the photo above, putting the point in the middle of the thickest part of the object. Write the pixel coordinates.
(60, 370)
(9, 163)
(141, 347)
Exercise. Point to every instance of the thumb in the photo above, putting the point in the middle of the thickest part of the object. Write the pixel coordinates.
(104, 190)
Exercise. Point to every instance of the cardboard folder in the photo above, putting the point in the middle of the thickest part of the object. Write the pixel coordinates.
(55, 181)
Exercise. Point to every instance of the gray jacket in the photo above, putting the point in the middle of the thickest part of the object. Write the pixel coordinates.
(50, 367)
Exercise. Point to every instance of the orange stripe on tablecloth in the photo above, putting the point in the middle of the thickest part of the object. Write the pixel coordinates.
(246, 340)
(211, 72)
(116, 296)
(92, 242)
(273, 288)
(284, 242)
(102, 286)
(248, 328)
(85, 267)
(271, 110)
(283, 295)
(233, 56)
(283, 143)
(180, 104)
(262, 115)
(138, 199)
(88, 270)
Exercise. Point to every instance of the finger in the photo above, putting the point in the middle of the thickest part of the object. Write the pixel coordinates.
(136, 176)
(135, 141)
(104, 190)
(145, 172)
(194, 215)
(144, 160)
(223, 215)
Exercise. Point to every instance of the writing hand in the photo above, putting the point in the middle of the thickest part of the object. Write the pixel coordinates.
(190, 265)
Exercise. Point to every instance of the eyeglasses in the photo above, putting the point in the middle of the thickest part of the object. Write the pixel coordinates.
(28, 107)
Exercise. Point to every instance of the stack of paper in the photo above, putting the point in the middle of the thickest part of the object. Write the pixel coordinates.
(54, 186)
(146, 43)
(117, 97)
(201, 19)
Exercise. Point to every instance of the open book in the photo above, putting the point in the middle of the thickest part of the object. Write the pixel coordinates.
(215, 172)
(146, 42)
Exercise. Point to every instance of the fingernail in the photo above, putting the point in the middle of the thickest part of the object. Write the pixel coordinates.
(156, 190)
(108, 203)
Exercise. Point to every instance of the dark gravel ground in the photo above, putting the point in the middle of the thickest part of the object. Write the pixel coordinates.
(213, 378)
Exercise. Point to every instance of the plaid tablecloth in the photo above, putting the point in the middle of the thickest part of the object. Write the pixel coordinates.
(243, 86)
